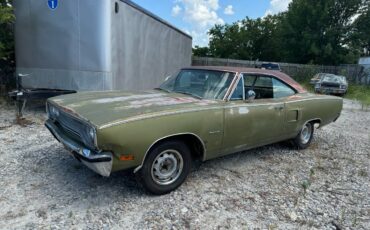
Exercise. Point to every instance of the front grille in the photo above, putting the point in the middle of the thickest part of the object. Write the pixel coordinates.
(72, 126)
(330, 85)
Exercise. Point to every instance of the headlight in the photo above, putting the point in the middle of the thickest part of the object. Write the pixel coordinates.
(91, 137)
(53, 111)
(318, 85)
(92, 133)
(343, 87)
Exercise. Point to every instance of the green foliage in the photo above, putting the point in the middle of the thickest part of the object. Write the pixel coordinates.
(361, 28)
(201, 51)
(247, 39)
(310, 32)
(360, 93)
(7, 56)
(318, 32)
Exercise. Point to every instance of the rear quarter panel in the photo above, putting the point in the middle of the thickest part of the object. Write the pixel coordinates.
(312, 107)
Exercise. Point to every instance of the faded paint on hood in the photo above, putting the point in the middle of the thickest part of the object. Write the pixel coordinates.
(110, 107)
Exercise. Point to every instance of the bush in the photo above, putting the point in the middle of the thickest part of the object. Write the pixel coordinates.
(7, 55)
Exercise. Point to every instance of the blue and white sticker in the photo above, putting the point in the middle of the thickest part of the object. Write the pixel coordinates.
(53, 4)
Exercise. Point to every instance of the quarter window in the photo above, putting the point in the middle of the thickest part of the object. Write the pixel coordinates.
(281, 89)
(267, 87)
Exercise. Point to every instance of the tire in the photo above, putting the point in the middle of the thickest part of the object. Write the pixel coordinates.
(304, 138)
(166, 167)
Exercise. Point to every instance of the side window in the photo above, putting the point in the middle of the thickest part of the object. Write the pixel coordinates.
(266, 87)
(249, 80)
(281, 89)
(263, 87)
(239, 91)
(263, 82)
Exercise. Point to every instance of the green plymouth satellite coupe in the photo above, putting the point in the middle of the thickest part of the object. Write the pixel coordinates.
(199, 114)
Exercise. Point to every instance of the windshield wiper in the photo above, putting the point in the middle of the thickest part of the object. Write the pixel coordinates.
(165, 90)
(190, 94)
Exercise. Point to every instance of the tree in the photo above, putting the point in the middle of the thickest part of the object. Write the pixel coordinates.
(201, 51)
(247, 39)
(361, 35)
(319, 31)
(7, 56)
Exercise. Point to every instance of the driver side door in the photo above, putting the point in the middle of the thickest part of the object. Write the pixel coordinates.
(256, 122)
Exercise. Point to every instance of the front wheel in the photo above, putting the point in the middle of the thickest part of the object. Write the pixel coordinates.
(304, 138)
(166, 167)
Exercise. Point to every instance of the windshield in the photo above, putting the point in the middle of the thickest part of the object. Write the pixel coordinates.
(203, 84)
(333, 78)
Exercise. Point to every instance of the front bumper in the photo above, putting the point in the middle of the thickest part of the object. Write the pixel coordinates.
(99, 162)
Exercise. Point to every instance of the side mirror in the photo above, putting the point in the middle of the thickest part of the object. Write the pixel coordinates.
(251, 95)
(168, 77)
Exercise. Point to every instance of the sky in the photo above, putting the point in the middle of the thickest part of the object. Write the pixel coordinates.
(196, 17)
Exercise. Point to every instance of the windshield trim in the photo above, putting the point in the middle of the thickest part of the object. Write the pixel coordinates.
(232, 87)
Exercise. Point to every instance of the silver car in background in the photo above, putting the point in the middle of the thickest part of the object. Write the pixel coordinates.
(331, 84)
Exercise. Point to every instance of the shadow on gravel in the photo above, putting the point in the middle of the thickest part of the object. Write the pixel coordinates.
(66, 177)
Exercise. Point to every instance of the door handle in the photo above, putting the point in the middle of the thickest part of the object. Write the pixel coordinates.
(279, 108)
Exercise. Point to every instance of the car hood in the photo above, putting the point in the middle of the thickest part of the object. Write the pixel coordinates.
(111, 107)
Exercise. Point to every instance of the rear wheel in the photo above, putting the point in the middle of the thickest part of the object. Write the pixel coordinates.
(304, 138)
(166, 167)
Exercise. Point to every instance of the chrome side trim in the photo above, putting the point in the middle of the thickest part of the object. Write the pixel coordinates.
(147, 116)
(173, 135)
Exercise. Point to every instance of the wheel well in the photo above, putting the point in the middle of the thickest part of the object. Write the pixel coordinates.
(316, 121)
(194, 143)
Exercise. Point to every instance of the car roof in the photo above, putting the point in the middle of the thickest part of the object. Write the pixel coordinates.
(280, 75)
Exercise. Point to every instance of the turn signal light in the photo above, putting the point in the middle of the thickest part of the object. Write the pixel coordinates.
(126, 157)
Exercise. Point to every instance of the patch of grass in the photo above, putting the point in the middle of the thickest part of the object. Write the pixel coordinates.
(309, 87)
(360, 93)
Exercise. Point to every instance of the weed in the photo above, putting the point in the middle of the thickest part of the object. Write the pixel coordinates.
(312, 172)
(305, 185)
(272, 226)
(362, 173)
(354, 221)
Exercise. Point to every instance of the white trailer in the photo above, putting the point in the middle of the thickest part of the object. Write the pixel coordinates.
(95, 45)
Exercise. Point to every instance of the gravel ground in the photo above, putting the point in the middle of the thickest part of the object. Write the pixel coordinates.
(326, 186)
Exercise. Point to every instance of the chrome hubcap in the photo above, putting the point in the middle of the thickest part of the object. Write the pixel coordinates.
(306, 133)
(167, 167)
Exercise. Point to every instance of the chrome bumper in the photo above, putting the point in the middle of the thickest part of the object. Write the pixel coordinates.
(99, 162)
